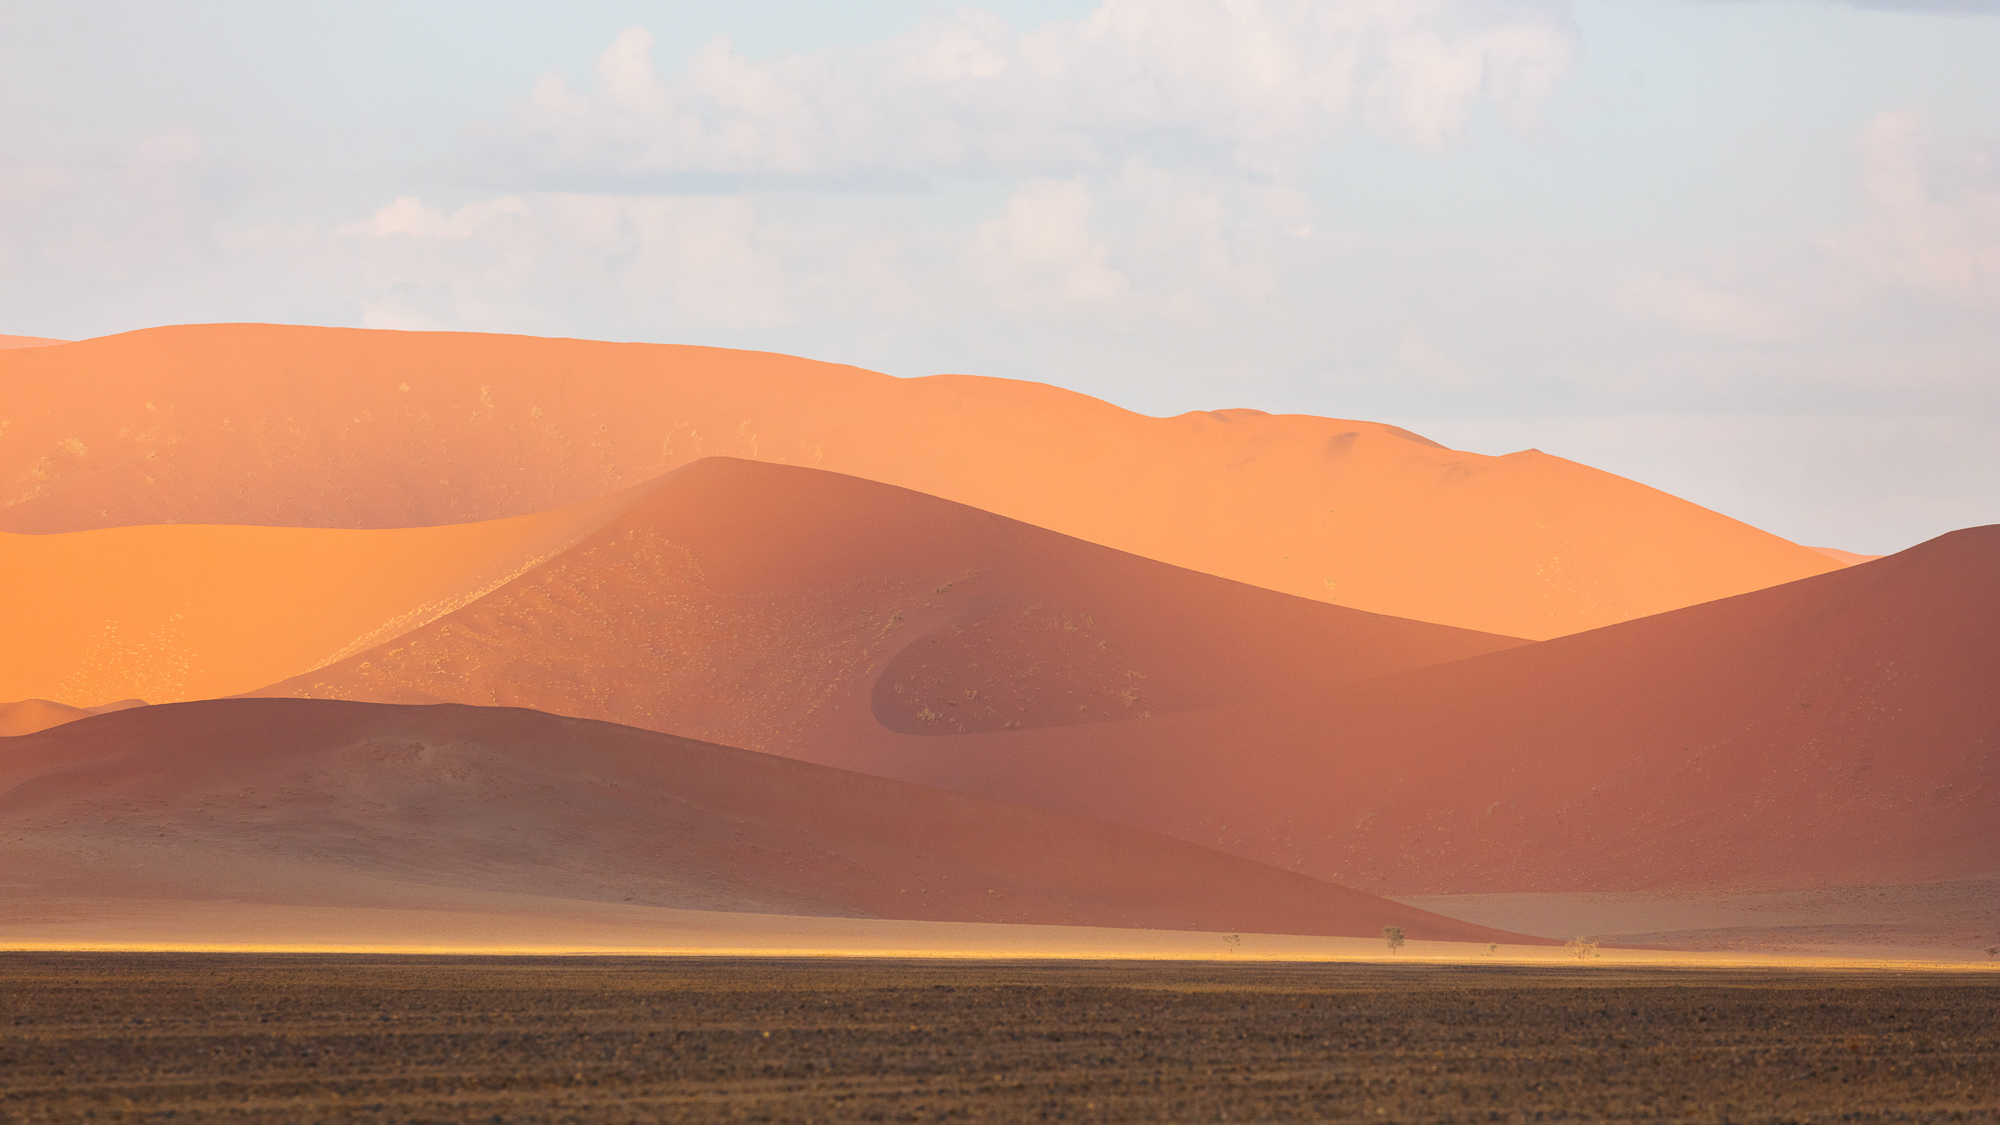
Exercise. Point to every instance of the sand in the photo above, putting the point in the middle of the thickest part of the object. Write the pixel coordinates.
(304, 803)
(177, 612)
(1837, 731)
(8, 342)
(258, 424)
(302, 1038)
(528, 926)
(1735, 745)
(773, 607)
(1957, 919)
(1845, 558)
(26, 716)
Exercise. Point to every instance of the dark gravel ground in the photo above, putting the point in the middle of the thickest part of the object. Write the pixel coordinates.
(228, 1038)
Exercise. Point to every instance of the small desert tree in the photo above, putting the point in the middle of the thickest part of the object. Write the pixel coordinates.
(1580, 948)
(1394, 936)
(1993, 951)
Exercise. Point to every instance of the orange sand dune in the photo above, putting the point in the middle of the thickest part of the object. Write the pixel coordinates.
(1845, 558)
(1839, 730)
(175, 612)
(347, 428)
(763, 605)
(26, 716)
(333, 803)
(27, 342)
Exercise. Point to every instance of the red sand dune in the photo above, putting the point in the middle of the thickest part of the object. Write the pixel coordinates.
(765, 605)
(258, 424)
(318, 802)
(26, 716)
(27, 342)
(1833, 729)
(1843, 729)
(176, 612)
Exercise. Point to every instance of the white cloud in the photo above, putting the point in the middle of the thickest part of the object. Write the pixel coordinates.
(153, 209)
(1922, 256)
(1934, 212)
(556, 262)
(1245, 84)
(408, 216)
(1706, 309)
(1041, 244)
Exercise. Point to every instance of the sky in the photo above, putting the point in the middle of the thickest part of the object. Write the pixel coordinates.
(1746, 251)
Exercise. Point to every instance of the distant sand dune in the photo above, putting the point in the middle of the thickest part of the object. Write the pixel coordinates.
(1845, 558)
(366, 807)
(26, 716)
(7, 342)
(1737, 744)
(256, 424)
(1840, 730)
(177, 612)
(765, 606)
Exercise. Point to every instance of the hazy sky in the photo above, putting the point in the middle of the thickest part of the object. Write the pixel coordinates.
(1744, 250)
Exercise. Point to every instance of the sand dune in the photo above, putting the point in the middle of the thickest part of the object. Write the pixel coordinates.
(177, 612)
(7, 342)
(26, 716)
(319, 803)
(1845, 558)
(1840, 730)
(1955, 919)
(764, 606)
(1735, 744)
(257, 424)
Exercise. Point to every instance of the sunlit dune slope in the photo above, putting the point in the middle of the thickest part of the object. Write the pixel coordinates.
(767, 605)
(26, 716)
(1845, 558)
(1844, 729)
(27, 342)
(331, 803)
(259, 424)
(175, 612)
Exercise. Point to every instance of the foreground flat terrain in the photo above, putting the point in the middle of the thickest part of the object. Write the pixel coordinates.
(141, 1037)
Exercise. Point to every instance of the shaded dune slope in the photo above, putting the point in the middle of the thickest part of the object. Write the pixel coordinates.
(764, 606)
(178, 612)
(1840, 729)
(26, 716)
(335, 802)
(259, 424)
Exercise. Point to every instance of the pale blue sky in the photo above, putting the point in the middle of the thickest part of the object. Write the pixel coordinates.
(1745, 251)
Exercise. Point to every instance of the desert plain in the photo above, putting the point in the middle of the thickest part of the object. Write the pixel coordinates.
(531, 729)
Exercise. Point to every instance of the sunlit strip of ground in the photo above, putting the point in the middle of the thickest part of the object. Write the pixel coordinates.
(608, 929)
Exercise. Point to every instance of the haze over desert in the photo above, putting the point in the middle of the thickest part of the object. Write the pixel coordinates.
(1075, 560)
(1829, 729)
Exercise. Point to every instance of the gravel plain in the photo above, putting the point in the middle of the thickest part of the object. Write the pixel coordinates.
(318, 1038)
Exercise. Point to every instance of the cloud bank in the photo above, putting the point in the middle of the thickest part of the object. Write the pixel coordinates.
(1250, 87)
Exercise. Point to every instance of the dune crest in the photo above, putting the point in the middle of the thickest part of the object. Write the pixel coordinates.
(26, 716)
(1839, 730)
(764, 605)
(261, 424)
(336, 803)
(1733, 744)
